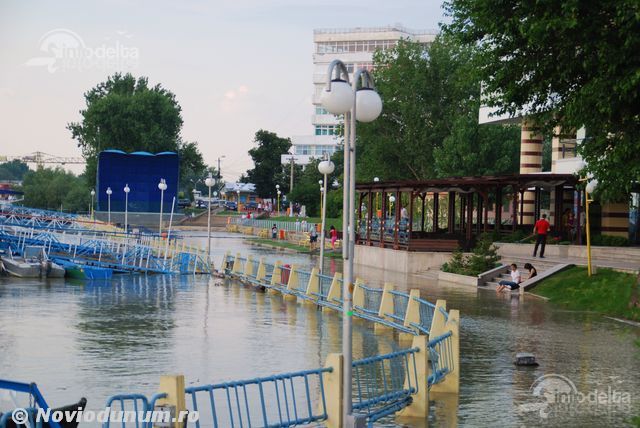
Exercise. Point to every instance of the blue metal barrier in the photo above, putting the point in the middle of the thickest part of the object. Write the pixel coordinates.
(7, 418)
(138, 404)
(35, 396)
(276, 401)
(372, 299)
(384, 384)
(441, 358)
(400, 303)
(426, 315)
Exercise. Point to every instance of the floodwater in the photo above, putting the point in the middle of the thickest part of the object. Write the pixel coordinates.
(80, 339)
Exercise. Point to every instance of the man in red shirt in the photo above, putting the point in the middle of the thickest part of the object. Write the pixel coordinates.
(541, 228)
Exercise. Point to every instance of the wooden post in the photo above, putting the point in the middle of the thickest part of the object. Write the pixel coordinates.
(386, 303)
(173, 386)
(451, 382)
(293, 278)
(436, 211)
(313, 288)
(248, 266)
(262, 272)
(358, 294)
(498, 216)
(333, 392)
(237, 265)
(276, 276)
(335, 290)
(451, 213)
(419, 407)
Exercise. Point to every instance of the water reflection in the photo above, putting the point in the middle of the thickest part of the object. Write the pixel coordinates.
(99, 339)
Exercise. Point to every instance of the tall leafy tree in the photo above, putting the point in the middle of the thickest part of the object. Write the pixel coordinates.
(571, 63)
(14, 170)
(55, 188)
(268, 169)
(429, 125)
(125, 113)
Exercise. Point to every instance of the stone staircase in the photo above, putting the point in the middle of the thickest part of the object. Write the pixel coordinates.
(545, 269)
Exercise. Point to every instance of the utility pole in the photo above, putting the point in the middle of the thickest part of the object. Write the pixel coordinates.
(291, 188)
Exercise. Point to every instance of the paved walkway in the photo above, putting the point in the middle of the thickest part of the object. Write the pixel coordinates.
(614, 264)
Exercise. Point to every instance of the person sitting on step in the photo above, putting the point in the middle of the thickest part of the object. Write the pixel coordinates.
(532, 271)
(514, 284)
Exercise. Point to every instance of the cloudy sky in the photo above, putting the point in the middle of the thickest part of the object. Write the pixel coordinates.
(235, 66)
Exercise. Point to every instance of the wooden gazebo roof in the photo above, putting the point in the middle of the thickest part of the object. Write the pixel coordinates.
(471, 184)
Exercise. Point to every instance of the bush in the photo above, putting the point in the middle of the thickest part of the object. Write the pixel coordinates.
(609, 241)
(484, 257)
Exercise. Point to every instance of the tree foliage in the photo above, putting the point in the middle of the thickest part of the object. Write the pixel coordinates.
(429, 124)
(268, 169)
(56, 189)
(124, 113)
(569, 63)
(14, 170)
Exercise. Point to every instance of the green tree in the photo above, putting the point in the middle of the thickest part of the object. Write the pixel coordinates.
(571, 63)
(268, 169)
(125, 113)
(55, 189)
(14, 170)
(429, 124)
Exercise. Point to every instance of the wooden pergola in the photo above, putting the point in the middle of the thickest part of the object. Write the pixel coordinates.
(445, 214)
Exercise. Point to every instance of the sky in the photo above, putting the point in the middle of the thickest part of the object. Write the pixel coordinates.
(234, 66)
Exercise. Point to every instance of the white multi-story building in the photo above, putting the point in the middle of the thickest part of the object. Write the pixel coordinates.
(355, 47)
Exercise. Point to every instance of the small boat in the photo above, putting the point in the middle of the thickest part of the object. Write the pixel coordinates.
(82, 271)
(34, 264)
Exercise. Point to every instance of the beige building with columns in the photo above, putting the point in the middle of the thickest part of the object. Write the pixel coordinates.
(607, 219)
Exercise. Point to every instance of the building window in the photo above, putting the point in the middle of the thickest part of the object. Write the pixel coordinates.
(326, 129)
(354, 46)
(320, 110)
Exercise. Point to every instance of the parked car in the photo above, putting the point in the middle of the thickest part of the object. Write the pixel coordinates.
(201, 204)
(231, 206)
(183, 203)
(252, 205)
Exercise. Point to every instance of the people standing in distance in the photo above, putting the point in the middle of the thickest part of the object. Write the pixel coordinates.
(541, 228)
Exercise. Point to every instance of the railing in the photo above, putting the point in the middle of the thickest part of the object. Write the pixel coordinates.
(426, 310)
(7, 419)
(372, 298)
(384, 384)
(35, 396)
(441, 358)
(276, 401)
(289, 226)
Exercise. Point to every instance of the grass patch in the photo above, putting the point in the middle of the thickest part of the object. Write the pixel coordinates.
(335, 222)
(227, 213)
(299, 248)
(607, 292)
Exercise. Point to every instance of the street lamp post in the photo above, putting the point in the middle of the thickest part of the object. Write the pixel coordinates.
(325, 167)
(91, 211)
(126, 208)
(362, 104)
(238, 195)
(162, 185)
(392, 199)
(588, 190)
(209, 182)
(321, 183)
(375, 180)
(278, 192)
(109, 192)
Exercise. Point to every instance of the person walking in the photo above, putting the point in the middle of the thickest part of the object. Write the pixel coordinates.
(333, 233)
(541, 228)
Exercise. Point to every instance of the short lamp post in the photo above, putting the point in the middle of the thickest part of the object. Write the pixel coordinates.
(109, 192)
(326, 167)
(162, 185)
(209, 182)
(91, 210)
(238, 195)
(278, 193)
(392, 200)
(589, 189)
(361, 102)
(321, 183)
(126, 208)
(376, 180)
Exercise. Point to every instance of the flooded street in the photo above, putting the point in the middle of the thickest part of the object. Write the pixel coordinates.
(81, 339)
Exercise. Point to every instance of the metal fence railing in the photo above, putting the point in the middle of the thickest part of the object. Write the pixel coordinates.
(283, 400)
